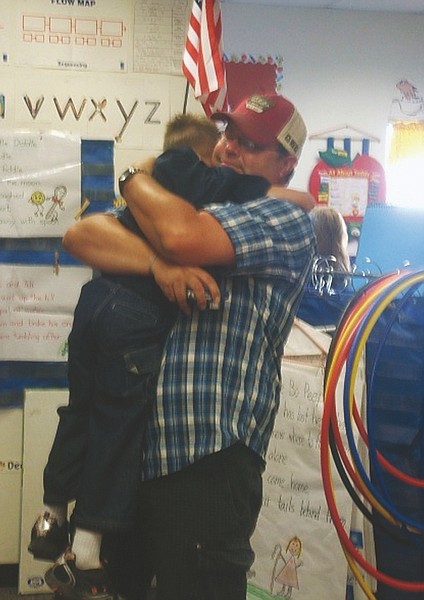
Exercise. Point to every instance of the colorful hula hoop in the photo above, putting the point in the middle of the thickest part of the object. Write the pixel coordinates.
(346, 352)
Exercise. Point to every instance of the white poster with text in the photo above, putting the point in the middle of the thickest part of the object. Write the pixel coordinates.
(36, 310)
(40, 186)
(298, 555)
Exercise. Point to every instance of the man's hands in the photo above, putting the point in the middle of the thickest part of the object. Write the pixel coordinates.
(175, 280)
(105, 244)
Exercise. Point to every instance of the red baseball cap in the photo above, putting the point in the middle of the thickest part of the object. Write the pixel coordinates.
(266, 119)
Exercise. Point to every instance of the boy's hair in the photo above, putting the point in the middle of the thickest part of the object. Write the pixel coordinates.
(195, 131)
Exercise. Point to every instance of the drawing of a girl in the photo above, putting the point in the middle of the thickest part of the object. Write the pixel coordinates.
(287, 575)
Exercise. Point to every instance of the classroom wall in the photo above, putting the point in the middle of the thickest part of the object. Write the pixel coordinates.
(339, 67)
(136, 106)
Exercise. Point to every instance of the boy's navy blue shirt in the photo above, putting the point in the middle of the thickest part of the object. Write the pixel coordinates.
(180, 171)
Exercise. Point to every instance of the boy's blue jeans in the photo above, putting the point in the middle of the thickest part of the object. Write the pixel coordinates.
(115, 350)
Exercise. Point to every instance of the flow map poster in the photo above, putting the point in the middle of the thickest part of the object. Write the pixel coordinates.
(84, 35)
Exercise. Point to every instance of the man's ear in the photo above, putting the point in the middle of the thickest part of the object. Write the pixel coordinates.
(288, 163)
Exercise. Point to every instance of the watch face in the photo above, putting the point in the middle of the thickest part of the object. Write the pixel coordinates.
(125, 174)
(123, 179)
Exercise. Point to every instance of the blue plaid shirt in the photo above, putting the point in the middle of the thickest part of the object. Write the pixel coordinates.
(221, 375)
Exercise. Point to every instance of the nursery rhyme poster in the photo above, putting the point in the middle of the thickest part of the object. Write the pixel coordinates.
(36, 310)
(298, 555)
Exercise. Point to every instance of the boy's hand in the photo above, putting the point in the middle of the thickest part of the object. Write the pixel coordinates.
(304, 200)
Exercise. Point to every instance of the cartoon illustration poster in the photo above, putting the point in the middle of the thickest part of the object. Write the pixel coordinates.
(408, 103)
(298, 555)
(40, 185)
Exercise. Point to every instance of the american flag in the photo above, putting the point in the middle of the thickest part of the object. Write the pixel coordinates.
(203, 63)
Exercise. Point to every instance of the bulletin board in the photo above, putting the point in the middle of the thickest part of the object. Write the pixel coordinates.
(247, 75)
(345, 183)
(349, 188)
(346, 179)
(89, 128)
(39, 281)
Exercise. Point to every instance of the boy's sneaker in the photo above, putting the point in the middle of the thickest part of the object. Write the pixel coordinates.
(48, 539)
(67, 580)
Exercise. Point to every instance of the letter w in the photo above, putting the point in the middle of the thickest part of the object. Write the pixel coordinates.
(69, 105)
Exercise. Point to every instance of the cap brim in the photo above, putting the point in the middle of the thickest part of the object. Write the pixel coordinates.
(250, 128)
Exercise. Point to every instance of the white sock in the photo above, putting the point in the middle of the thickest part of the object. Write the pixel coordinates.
(57, 511)
(86, 547)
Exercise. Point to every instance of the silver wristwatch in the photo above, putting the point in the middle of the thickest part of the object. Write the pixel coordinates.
(126, 176)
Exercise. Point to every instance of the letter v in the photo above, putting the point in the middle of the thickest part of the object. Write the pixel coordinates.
(34, 110)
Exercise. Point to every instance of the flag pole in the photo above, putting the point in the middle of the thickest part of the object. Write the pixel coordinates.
(185, 98)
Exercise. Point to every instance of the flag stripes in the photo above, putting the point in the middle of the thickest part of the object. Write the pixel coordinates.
(203, 62)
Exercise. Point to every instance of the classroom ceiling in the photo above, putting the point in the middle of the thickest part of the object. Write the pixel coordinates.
(402, 6)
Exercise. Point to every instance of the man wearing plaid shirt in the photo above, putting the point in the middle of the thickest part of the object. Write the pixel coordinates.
(219, 386)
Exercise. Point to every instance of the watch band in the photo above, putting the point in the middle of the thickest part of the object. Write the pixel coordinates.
(126, 176)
